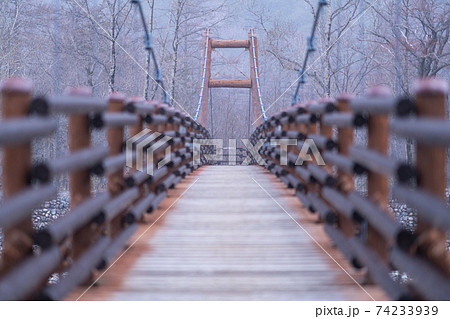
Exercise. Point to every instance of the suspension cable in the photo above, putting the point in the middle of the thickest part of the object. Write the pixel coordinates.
(151, 52)
(309, 49)
(211, 116)
(199, 105)
(255, 66)
(249, 112)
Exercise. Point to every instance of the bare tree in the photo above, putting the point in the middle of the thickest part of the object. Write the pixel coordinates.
(118, 12)
(12, 27)
(422, 30)
(188, 18)
(339, 20)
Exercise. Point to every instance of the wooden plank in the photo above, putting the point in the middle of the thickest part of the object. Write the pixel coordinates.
(226, 239)
(230, 83)
(231, 44)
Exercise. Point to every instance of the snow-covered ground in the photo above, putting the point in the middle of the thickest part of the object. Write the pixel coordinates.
(47, 213)
(51, 210)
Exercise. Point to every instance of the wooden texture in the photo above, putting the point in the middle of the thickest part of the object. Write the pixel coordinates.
(344, 140)
(345, 180)
(16, 162)
(377, 183)
(79, 137)
(230, 83)
(137, 128)
(226, 239)
(230, 44)
(431, 164)
(115, 137)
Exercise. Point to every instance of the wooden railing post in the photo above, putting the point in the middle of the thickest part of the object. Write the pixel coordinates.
(344, 141)
(79, 137)
(377, 183)
(312, 128)
(136, 129)
(326, 130)
(378, 140)
(345, 180)
(16, 96)
(115, 137)
(431, 161)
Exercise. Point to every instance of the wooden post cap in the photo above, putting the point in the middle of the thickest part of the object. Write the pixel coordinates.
(344, 97)
(310, 102)
(136, 99)
(78, 91)
(299, 105)
(16, 84)
(379, 90)
(326, 100)
(117, 97)
(430, 85)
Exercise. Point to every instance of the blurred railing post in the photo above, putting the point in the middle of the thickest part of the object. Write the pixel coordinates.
(79, 137)
(431, 163)
(138, 127)
(345, 180)
(344, 141)
(326, 130)
(16, 96)
(377, 183)
(115, 137)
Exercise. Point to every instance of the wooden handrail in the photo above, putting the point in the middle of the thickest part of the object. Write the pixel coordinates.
(365, 229)
(97, 226)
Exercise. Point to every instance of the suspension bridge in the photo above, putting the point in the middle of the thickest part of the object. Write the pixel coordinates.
(283, 227)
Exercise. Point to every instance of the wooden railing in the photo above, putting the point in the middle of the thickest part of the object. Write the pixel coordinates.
(359, 222)
(98, 225)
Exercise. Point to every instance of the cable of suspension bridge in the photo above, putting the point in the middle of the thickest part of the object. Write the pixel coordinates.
(199, 105)
(309, 50)
(211, 113)
(148, 41)
(249, 112)
(255, 65)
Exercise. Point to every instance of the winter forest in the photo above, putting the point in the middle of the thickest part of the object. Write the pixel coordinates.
(99, 43)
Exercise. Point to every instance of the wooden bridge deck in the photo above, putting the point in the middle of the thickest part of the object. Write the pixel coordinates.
(225, 238)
